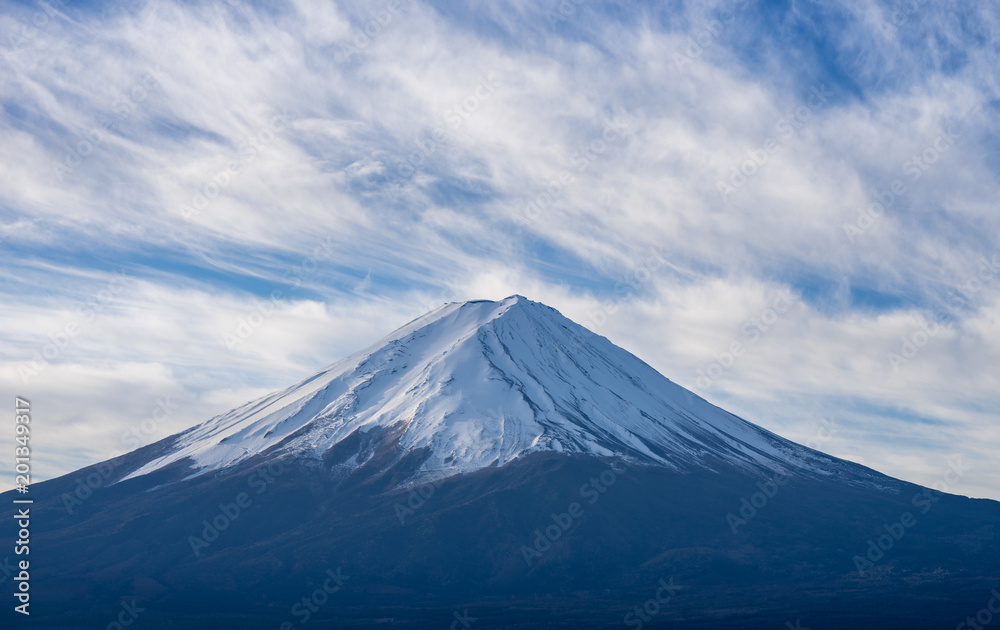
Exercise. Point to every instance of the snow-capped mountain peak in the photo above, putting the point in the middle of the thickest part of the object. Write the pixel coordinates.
(482, 383)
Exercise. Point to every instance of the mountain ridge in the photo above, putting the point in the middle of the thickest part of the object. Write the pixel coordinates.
(615, 479)
(481, 383)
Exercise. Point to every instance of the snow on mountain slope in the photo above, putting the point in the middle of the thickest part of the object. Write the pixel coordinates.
(481, 383)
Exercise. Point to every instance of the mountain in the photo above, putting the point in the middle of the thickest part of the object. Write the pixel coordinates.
(493, 464)
(482, 384)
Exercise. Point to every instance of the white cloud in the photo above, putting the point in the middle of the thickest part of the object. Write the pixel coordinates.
(194, 90)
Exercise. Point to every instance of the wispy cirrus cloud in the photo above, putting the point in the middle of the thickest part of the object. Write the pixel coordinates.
(445, 152)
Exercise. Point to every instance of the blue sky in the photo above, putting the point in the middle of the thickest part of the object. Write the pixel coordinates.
(203, 202)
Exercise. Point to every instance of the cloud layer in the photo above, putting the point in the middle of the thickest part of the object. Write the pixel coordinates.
(788, 207)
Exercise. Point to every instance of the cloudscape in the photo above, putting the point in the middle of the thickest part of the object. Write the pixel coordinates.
(559, 314)
(788, 208)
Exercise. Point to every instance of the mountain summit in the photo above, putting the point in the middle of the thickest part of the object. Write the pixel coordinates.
(493, 464)
(482, 383)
